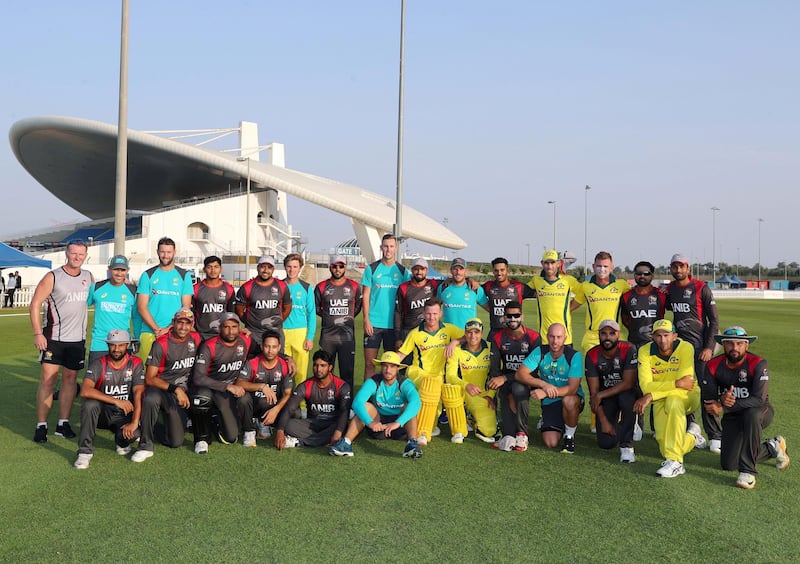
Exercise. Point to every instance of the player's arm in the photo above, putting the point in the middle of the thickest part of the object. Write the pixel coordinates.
(43, 289)
(292, 406)
(311, 319)
(366, 294)
(412, 400)
(408, 344)
(710, 323)
(359, 301)
(343, 407)
(202, 366)
(129, 429)
(272, 414)
(361, 398)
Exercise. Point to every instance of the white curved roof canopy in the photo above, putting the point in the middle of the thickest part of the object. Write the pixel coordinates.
(75, 159)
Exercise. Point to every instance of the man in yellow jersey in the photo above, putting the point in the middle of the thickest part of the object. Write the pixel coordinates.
(667, 380)
(557, 295)
(601, 294)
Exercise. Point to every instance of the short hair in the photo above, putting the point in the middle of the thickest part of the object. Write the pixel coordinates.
(434, 301)
(293, 256)
(645, 263)
(209, 259)
(324, 356)
(166, 241)
(76, 242)
(388, 236)
(269, 333)
(513, 304)
(499, 260)
(602, 255)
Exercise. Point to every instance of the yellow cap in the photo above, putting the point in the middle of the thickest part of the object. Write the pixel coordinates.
(550, 255)
(663, 325)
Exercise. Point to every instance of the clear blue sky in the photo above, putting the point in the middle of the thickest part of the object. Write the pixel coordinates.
(665, 108)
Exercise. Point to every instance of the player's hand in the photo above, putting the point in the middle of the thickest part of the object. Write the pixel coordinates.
(705, 355)
(538, 393)
(376, 426)
(129, 430)
(472, 389)
(685, 383)
(235, 391)
(641, 404)
(551, 391)
(292, 366)
(161, 331)
(594, 402)
(271, 416)
(728, 399)
(182, 398)
(124, 405)
(607, 428)
(496, 382)
(40, 342)
(473, 284)
(280, 439)
(490, 401)
(335, 438)
(390, 428)
(451, 348)
(713, 407)
(367, 327)
(269, 394)
(245, 331)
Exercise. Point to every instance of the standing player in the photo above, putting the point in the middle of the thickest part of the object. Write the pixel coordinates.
(167, 372)
(339, 301)
(112, 398)
(500, 291)
(263, 302)
(459, 299)
(736, 386)
(642, 305)
(114, 302)
(557, 295)
(412, 296)
(696, 322)
(379, 285)
(212, 297)
(601, 293)
(61, 339)
(301, 325)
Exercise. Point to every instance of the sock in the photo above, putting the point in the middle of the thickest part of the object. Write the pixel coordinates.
(62, 421)
(348, 441)
(569, 431)
(42, 424)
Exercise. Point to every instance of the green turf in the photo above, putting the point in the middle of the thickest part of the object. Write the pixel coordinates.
(464, 503)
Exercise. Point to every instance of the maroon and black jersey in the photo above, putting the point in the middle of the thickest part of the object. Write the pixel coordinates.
(694, 313)
(277, 377)
(116, 382)
(338, 305)
(640, 311)
(750, 382)
(174, 358)
(508, 352)
(209, 303)
(263, 305)
(409, 304)
(609, 370)
(499, 296)
(324, 404)
(219, 363)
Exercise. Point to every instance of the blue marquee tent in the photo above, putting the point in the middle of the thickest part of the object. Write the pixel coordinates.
(12, 258)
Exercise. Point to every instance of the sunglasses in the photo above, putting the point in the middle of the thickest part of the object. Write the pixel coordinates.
(513, 315)
(337, 266)
(642, 273)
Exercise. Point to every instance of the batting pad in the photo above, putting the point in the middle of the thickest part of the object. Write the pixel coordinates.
(430, 390)
(453, 399)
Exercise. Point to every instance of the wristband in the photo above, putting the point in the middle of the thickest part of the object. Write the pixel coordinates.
(171, 388)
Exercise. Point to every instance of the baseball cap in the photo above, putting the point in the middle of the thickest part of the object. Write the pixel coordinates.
(118, 336)
(735, 333)
(118, 261)
(551, 255)
(266, 259)
(609, 323)
(183, 313)
(389, 357)
(458, 261)
(338, 259)
(227, 316)
(678, 257)
(663, 325)
(420, 262)
(473, 323)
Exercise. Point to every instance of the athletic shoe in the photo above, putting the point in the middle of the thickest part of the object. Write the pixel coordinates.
(40, 435)
(341, 448)
(626, 454)
(412, 449)
(506, 443)
(82, 462)
(141, 455)
(715, 445)
(458, 438)
(484, 438)
(264, 431)
(123, 450)
(249, 439)
(422, 440)
(778, 444)
(521, 442)
(443, 420)
(436, 432)
(699, 440)
(201, 447)
(637, 432)
(568, 445)
(746, 481)
(222, 439)
(291, 442)
(64, 430)
(670, 469)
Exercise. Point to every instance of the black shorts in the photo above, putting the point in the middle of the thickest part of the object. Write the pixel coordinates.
(68, 355)
(553, 416)
(385, 336)
(397, 434)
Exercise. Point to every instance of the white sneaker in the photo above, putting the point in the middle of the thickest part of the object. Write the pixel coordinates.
(249, 439)
(715, 445)
(201, 447)
(141, 455)
(699, 440)
(506, 444)
(82, 462)
(746, 481)
(436, 431)
(637, 432)
(457, 438)
(670, 469)
(422, 440)
(292, 442)
(778, 444)
(123, 451)
(521, 442)
(626, 454)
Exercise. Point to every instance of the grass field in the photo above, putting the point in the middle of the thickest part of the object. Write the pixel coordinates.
(466, 503)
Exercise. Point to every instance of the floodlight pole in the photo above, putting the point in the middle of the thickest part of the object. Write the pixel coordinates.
(121, 185)
(760, 221)
(585, 229)
(714, 211)
(247, 222)
(398, 225)
(553, 203)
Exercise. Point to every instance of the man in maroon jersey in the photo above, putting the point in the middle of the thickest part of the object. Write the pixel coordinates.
(212, 297)
(500, 291)
(263, 302)
(642, 305)
(412, 296)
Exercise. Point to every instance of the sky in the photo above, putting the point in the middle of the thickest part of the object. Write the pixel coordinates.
(666, 109)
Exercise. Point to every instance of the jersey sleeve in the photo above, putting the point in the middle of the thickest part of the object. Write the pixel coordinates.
(527, 291)
(452, 372)
(144, 284)
(156, 355)
(481, 298)
(408, 345)
(412, 399)
(576, 367)
(577, 290)
(453, 332)
(202, 365)
(711, 321)
(292, 405)
(531, 361)
(590, 366)
(241, 295)
(138, 374)
(366, 279)
(311, 314)
(187, 288)
(361, 399)
(343, 407)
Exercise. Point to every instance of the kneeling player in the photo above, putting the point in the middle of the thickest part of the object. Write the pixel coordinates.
(112, 398)
(387, 405)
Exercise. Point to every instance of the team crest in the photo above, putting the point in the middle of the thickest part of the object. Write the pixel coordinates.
(240, 349)
(652, 300)
(330, 394)
(175, 281)
(615, 290)
(190, 346)
(524, 347)
(687, 293)
(742, 376)
(346, 291)
(104, 295)
(222, 295)
(633, 301)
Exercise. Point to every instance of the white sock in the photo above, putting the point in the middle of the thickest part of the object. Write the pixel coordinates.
(348, 441)
(42, 424)
(62, 421)
(569, 431)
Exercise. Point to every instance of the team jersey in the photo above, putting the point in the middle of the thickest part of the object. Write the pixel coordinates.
(602, 302)
(303, 315)
(219, 363)
(166, 289)
(410, 303)
(694, 313)
(383, 282)
(65, 310)
(609, 370)
(113, 309)
(263, 305)
(116, 382)
(468, 367)
(640, 311)
(750, 382)
(499, 295)
(174, 358)
(399, 399)
(325, 404)
(459, 303)
(337, 306)
(553, 299)
(277, 377)
(657, 373)
(428, 348)
(508, 351)
(557, 372)
(209, 303)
